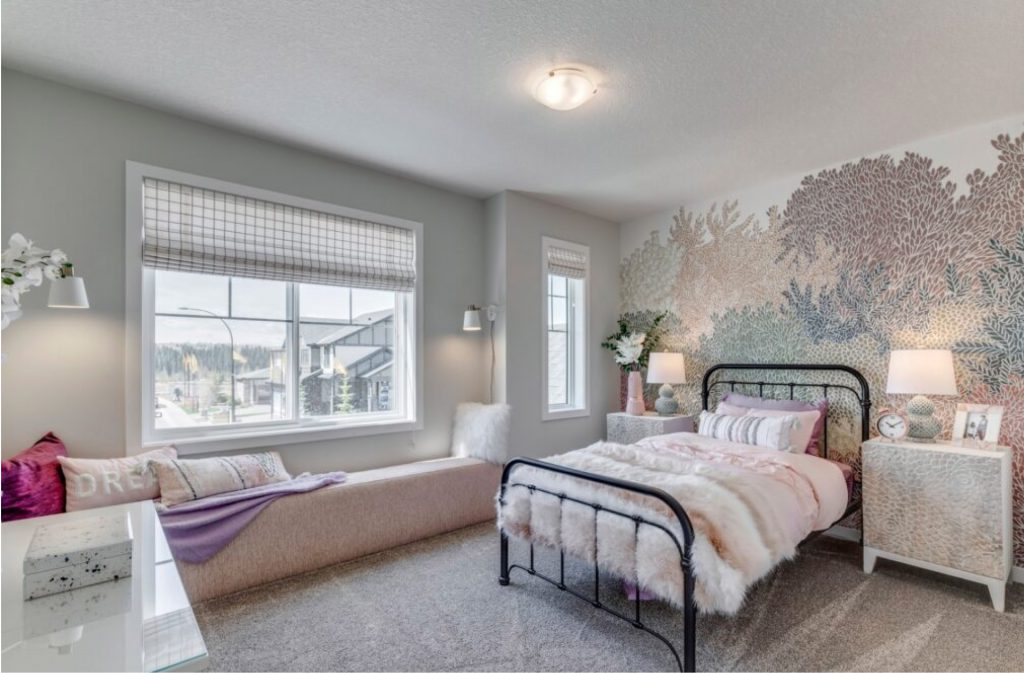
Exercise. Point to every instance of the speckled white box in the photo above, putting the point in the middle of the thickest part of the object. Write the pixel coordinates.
(67, 609)
(73, 554)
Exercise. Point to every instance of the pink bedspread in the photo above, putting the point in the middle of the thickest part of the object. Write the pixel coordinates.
(749, 507)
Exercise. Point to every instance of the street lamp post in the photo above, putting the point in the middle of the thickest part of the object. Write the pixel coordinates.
(231, 337)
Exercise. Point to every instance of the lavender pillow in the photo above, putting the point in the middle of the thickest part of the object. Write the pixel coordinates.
(32, 482)
(787, 405)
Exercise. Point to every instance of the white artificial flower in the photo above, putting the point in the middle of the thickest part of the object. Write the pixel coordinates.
(629, 348)
(25, 266)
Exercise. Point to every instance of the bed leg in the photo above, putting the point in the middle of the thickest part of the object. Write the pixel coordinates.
(503, 576)
(690, 632)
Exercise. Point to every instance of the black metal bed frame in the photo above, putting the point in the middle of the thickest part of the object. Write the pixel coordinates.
(709, 383)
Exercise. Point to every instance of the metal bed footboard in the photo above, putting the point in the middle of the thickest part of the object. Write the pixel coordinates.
(854, 384)
(688, 661)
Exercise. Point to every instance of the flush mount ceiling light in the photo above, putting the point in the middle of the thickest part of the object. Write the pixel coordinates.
(564, 89)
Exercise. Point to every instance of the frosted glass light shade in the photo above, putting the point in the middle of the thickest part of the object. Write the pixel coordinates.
(564, 89)
(471, 320)
(921, 372)
(68, 292)
(666, 368)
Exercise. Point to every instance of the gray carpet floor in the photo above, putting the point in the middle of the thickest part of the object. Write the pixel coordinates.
(436, 606)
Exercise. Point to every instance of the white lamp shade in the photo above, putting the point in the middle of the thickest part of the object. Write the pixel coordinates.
(471, 320)
(666, 368)
(921, 372)
(68, 292)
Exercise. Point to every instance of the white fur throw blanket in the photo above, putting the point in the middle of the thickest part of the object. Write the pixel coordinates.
(749, 509)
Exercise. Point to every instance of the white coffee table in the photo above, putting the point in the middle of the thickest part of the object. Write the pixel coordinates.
(142, 623)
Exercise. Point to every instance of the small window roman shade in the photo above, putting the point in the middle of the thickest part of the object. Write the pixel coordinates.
(565, 262)
(205, 231)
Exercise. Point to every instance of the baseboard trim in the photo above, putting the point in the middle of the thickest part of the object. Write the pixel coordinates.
(845, 533)
(1018, 574)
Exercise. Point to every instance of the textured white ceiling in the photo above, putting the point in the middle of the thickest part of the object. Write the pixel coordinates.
(695, 97)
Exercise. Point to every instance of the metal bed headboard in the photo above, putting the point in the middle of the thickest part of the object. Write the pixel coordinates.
(862, 392)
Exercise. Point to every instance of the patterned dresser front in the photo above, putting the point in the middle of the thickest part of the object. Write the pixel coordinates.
(944, 506)
(625, 428)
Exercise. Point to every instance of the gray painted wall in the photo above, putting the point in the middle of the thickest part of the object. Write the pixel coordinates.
(517, 223)
(63, 186)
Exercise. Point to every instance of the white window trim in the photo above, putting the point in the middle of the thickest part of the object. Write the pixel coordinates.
(139, 335)
(548, 414)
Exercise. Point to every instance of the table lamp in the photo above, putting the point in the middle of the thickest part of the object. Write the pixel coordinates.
(920, 373)
(667, 369)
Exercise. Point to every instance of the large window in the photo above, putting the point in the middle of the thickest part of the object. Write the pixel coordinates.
(265, 320)
(566, 267)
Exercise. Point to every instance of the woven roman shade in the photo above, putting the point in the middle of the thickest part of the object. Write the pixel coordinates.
(565, 262)
(206, 231)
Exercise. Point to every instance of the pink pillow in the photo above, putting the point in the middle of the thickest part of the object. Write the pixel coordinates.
(32, 482)
(800, 435)
(726, 409)
(99, 482)
(787, 405)
(184, 480)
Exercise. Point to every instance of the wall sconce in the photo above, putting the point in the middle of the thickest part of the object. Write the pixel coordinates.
(68, 291)
(471, 318)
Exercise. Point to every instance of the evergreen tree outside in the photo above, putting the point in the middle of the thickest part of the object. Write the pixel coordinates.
(343, 398)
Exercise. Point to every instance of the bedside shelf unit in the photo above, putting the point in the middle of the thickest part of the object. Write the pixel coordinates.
(943, 507)
(624, 428)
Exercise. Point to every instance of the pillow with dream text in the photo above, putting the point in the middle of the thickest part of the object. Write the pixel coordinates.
(98, 482)
(770, 432)
(820, 406)
(184, 480)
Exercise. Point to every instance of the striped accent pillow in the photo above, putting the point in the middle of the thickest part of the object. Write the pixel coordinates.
(184, 480)
(770, 432)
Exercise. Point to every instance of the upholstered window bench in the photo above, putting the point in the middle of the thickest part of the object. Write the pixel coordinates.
(373, 511)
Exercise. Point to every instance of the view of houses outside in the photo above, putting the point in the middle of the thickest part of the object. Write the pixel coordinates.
(211, 330)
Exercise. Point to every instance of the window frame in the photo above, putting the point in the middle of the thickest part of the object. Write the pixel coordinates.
(577, 337)
(140, 434)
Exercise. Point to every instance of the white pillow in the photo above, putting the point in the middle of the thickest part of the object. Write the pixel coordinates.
(770, 432)
(481, 431)
(802, 427)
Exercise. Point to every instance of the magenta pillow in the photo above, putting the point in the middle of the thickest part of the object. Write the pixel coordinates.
(33, 483)
(787, 405)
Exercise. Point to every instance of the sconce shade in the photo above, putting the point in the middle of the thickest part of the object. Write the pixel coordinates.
(921, 372)
(666, 368)
(471, 319)
(68, 292)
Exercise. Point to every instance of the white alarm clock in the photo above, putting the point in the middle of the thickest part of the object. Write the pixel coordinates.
(891, 424)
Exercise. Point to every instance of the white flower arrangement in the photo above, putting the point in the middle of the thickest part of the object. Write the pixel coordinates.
(24, 267)
(628, 349)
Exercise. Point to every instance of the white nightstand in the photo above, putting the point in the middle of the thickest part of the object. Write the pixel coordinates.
(942, 507)
(624, 428)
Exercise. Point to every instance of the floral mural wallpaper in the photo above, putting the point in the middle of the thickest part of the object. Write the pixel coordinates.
(877, 254)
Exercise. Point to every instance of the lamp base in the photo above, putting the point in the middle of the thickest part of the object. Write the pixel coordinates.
(922, 426)
(666, 404)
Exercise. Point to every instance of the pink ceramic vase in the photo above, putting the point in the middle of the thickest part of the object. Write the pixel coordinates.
(635, 395)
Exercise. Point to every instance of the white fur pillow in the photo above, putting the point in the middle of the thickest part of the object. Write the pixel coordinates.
(481, 431)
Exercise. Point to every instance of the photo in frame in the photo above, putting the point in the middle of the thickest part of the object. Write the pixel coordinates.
(977, 423)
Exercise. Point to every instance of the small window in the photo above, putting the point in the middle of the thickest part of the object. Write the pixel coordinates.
(566, 267)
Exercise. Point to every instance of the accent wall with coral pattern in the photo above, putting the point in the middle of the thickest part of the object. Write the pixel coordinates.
(921, 247)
